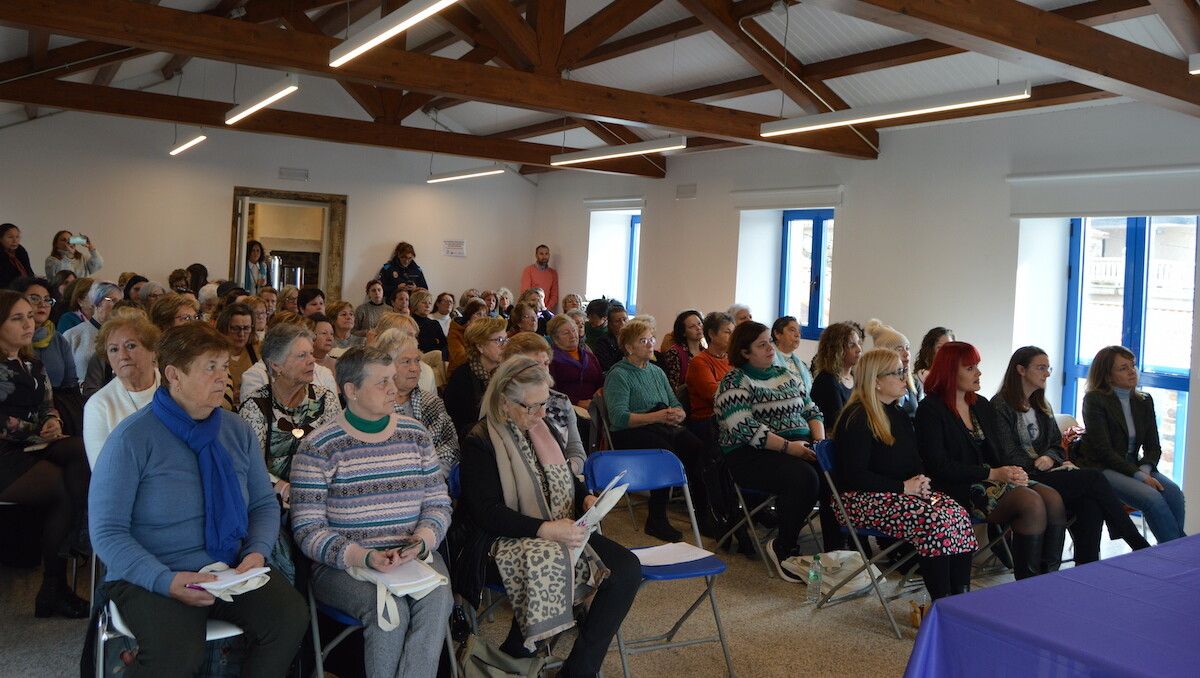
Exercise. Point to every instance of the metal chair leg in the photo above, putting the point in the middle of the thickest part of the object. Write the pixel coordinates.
(712, 597)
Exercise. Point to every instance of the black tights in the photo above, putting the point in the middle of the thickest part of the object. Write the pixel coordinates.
(1030, 510)
(58, 483)
(945, 575)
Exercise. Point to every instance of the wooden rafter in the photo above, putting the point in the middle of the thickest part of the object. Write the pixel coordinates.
(67, 60)
(175, 64)
(412, 102)
(1052, 44)
(548, 19)
(515, 38)
(159, 29)
(366, 96)
(600, 27)
(39, 44)
(203, 113)
(1182, 18)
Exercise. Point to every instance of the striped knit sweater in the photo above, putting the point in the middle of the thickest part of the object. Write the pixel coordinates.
(751, 403)
(350, 487)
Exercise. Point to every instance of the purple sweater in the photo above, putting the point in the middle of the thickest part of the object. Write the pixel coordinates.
(578, 379)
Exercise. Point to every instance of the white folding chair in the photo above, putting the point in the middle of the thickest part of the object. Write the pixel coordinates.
(109, 625)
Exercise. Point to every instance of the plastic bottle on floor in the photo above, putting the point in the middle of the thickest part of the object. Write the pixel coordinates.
(814, 580)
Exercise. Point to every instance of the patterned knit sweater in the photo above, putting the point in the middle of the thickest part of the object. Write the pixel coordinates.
(751, 403)
(351, 487)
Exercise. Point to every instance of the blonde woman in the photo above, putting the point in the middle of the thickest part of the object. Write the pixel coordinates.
(882, 480)
(405, 325)
(884, 336)
(415, 402)
(485, 340)
(289, 299)
(429, 331)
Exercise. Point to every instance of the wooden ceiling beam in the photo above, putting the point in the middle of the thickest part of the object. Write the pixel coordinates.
(516, 39)
(159, 29)
(367, 97)
(1038, 40)
(345, 14)
(412, 102)
(548, 19)
(224, 8)
(38, 45)
(599, 27)
(1182, 18)
(203, 113)
(68, 60)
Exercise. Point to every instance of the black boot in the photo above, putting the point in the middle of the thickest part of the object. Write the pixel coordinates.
(960, 573)
(660, 528)
(1027, 555)
(1052, 547)
(1128, 533)
(55, 598)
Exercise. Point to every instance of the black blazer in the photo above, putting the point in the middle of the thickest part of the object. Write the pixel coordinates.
(1008, 448)
(430, 336)
(463, 396)
(830, 396)
(1106, 439)
(9, 272)
(864, 463)
(951, 458)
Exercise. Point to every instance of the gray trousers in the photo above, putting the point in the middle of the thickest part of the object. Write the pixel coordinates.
(413, 648)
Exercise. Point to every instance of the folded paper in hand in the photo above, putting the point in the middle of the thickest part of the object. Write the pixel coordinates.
(608, 498)
(414, 579)
(230, 582)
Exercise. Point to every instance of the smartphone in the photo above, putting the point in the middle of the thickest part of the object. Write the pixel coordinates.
(77, 240)
(409, 543)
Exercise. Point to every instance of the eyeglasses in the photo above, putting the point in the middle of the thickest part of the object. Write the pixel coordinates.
(499, 341)
(36, 299)
(647, 341)
(1044, 368)
(902, 373)
(185, 318)
(240, 329)
(108, 300)
(530, 409)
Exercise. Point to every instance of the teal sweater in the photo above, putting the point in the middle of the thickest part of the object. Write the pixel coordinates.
(633, 390)
(751, 403)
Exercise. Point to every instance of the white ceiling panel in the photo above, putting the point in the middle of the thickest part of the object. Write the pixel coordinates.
(692, 62)
(576, 138)
(661, 14)
(927, 78)
(815, 34)
(766, 103)
(483, 118)
(1147, 31)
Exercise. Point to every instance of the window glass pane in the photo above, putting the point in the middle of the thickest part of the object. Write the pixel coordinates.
(1102, 306)
(826, 271)
(609, 253)
(1170, 283)
(1170, 409)
(799, 258)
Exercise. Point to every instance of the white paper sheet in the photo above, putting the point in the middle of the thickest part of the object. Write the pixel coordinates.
(230, 577)
(670, 554)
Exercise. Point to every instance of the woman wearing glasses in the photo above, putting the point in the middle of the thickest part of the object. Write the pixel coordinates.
(485, 339)
(520, 501)
(415, 402)
(174, 310)
(643, 413)
(1029, 438)
(49, 346)
(884, 336)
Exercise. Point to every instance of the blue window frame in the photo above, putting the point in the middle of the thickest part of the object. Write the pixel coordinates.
(805, 268)
(631, 274)
(1130, 283)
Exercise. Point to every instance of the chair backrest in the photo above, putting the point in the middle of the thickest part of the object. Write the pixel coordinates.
(454, 482)
(644, 469)
(824, 450)
(1065, 421)
(600, 435)
(435, 361)
(685, 399)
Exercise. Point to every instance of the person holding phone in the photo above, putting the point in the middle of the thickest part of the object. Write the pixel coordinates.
(882, 481)
(66, 255)
(367, 492)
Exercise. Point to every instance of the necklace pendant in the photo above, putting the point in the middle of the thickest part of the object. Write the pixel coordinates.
(298, 433)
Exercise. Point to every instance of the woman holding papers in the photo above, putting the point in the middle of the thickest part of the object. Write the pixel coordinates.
(519, 493)
(181, 485)
(368, 494)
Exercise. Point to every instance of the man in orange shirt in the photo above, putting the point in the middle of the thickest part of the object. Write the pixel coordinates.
(541, 275)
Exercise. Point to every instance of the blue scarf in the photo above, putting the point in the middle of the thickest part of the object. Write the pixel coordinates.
(225, 517)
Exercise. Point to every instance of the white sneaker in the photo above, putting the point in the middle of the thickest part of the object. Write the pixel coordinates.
(785, 575)
(797, 566)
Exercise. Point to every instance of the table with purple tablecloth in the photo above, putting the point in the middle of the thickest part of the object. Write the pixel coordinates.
(1132, 615)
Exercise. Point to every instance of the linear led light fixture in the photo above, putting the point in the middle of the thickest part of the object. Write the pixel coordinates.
(1194, 64)
(385, 29)
(623, 151)
(288, 84)
(188, 144)
(466, 174)
(899, 109)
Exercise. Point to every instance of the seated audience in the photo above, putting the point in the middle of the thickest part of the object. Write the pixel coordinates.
(1120, 422)
(643, 413)
(133, 287)
(149, 293)
(257, 376)
(485, 339)
(174, 310)
(289, 299)
(580, 318)
(933, 340)
(258, 307)
(488, 297)
(82, 337)
(180, 485)
(767, 425)
(368, 313)
(455, 341)
(740, 313)
(399, 301)
(49, 346)
(323, 341)
(60, 287)
(883, 336)
(785, 332)
(99, 373)
(402, 271)
(576, 371)
(236, 322)
(597, 320)
(15, 262)
(369, 494)
(560, 414)
(519, 491)
(127, 345)
(414, 402)
(1029, 438)
(504, 302)
(406, 325)
(572, 301)
(958, 436)
(197, 277)
(270, 297)
(705, 372)
(607, 346)
(341, 314)
(524, 318)
(429, 331)
(881, 478)
(209, 297)
(311, 302)
(687, 336)
(838, 351)
(79, 309)
(467, 295)
(180, 281)
(39, 466)
(64, 255)
(444, 310)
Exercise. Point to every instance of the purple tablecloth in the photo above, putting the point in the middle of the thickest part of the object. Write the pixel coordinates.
(1133, 615)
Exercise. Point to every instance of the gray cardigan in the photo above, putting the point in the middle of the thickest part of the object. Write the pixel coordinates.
(1014, 449)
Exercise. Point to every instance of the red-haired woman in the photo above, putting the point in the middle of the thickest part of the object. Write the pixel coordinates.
(959, 438)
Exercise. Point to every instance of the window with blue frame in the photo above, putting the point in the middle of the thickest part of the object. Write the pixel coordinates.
(806, 268)
(613, 256)
(1132, 282)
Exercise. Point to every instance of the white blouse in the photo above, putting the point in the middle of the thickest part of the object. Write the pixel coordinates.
(108, 407)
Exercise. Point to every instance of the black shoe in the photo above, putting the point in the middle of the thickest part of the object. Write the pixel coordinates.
(56, 599)
(1027, 555)
(661, 529)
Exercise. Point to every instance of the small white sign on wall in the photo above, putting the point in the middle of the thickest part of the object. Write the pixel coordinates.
(454, 248)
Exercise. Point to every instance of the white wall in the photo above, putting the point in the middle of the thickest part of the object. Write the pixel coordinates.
(148, 212)
(760, 235)
(1041, 308)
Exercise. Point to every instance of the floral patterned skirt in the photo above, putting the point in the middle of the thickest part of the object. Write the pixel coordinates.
(939, 529)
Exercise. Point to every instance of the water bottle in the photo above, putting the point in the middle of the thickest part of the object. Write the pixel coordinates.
(814, 580)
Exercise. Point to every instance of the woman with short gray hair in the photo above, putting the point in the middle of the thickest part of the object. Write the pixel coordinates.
(369, 494)
(82, 337)
(150, 293)
(415, 402)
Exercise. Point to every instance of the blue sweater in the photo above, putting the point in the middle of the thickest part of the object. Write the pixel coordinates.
(60, 364)
(146, 504)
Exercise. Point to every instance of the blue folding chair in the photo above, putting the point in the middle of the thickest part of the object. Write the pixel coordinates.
(825, 457)
(655, 470)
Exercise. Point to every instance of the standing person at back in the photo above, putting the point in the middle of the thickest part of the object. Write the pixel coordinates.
(539, 274)
(402, 271)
